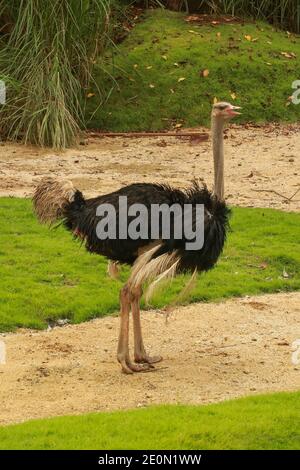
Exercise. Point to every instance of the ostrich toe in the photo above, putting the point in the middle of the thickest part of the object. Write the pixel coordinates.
(145, 359)
(129, 367)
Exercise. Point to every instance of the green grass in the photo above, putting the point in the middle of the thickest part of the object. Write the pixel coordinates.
(261, 422)
(46, 275)
(255, 71)
(46, 62)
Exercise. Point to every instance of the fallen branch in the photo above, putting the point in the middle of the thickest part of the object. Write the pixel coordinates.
(294, 194)
(197, 135)
(276, 192)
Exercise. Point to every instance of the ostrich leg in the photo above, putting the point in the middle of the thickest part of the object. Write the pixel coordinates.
(123, 346)
(140, 354)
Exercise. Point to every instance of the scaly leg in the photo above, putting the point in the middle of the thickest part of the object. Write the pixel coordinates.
(123, 346)
(140, 354)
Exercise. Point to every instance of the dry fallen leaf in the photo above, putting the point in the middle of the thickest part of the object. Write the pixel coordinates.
(172, 91)
(176, 64)
(164, 57)
(192, 18)
(263, 265)
(181, 79)
(205, 73)
(218, 34)
(151, 85)
(89, 95)
(233, 96)
(149, 67)
(248, 37)
(215, 100)
(288, 55)
(135, 66)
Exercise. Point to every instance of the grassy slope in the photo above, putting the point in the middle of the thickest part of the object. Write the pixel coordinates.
(46, 275)
(236, 65)
(262, 422)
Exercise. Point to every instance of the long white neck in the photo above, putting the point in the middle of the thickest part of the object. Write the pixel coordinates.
(217, 126)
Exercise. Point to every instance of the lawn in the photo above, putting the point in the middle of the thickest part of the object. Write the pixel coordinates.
(261, 422)
(46, 275)
(158, 74)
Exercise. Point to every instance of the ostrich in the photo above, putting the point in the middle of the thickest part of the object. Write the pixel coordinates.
(151, 260)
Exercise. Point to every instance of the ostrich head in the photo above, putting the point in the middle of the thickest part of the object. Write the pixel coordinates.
(224, 110)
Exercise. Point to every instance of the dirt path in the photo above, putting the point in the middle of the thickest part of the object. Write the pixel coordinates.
(211, 352)
(256, 158)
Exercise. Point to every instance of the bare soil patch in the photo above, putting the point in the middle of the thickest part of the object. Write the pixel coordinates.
(211, 352)
(257, 158)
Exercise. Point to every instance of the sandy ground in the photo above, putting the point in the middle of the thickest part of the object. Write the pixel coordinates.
(211, 352)
(257, 158)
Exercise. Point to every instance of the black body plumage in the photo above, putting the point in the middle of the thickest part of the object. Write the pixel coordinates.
(81, 219)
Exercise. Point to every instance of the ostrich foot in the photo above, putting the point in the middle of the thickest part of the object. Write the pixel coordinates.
(145, 359)
(129, 367)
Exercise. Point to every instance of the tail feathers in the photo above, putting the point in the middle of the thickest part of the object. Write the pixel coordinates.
(51, 199)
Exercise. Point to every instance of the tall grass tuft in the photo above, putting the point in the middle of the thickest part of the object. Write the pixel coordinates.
(48, 53)
(284, 13)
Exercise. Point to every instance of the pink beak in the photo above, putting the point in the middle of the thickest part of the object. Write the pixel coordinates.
(231, 111)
